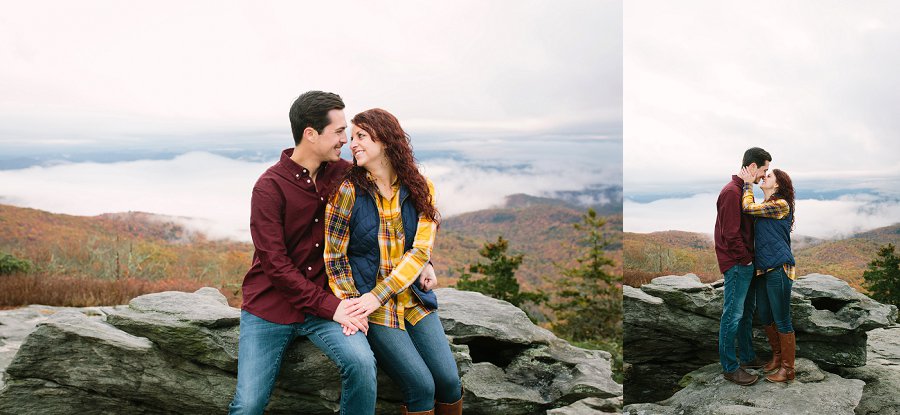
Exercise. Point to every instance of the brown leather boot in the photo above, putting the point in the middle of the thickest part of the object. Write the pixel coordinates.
(788, 348)
(772, 335)
(454, 408)
(741, 377)
(404, 411)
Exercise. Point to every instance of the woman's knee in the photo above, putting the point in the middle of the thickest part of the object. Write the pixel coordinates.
(448, 388)
(420, 395)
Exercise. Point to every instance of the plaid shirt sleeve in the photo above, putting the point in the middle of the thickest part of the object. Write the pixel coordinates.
(412, 262)
(337, 236)
(775, 209)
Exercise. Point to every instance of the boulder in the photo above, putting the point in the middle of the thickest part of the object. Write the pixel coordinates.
(881, 395)
(706, 392)
(672, 324)
(176, 352)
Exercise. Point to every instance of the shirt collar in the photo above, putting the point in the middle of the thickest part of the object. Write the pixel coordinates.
(295, 169)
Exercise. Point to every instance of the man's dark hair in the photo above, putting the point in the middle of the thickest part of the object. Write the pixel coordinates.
(311, 110)
(756, 155)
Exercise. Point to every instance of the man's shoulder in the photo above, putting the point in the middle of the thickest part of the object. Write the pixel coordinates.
(337, 169)
(730, 188)
(269, 179)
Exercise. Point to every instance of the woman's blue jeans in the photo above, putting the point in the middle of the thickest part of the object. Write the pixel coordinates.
(418, 360)
(261, 347)
(773, 299)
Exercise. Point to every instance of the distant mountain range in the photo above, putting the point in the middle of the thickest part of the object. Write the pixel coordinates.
(648, 255)
(146, 245)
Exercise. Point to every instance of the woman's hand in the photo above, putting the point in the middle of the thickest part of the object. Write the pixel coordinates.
(747, 174)
(428, 278)
(367, 304)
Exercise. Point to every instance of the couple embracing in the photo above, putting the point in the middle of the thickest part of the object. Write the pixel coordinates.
(753, 248)
(342, 256)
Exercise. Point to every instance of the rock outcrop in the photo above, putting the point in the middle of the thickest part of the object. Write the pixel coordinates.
(706, 392)
(672, 324)
(176, 352)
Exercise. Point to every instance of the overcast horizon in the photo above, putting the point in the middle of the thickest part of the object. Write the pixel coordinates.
(176, 108)
(812, 82)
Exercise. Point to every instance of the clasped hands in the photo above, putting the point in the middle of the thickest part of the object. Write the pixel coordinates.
(353, 313)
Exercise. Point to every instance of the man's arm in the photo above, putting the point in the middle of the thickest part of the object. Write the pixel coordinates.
(730, 212)
(267, 231)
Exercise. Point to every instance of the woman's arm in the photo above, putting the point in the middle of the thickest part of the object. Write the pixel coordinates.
(412, 262)
(775, 209)
(337, 236)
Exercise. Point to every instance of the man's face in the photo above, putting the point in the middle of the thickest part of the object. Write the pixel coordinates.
(760, 171)
(333, 136)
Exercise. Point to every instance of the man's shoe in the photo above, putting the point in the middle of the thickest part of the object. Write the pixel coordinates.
(741, 377)
(756, 363)
(772, 335)
(788, 349)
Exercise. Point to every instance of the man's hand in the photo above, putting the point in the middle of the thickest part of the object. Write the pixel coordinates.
(351, 324)
(428, 278)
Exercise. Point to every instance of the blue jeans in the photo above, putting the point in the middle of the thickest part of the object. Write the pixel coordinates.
(737, 317)
(418, 360)
(774, 300)
(261, 348)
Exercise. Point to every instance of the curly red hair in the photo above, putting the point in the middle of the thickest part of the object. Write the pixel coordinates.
(384, 127)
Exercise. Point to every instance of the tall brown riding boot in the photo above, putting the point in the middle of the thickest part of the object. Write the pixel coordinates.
(788, 348)
(454, 408)
(772, 335)
(404, 411)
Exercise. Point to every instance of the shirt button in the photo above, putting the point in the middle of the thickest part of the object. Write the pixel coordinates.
(317, 245)
(316, 219)
(322, 199)
(298, 176)
(304, 170)
(309, 268)
(308, 181)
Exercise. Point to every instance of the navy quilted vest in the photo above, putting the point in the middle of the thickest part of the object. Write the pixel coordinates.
(772, 238)
(362, 251)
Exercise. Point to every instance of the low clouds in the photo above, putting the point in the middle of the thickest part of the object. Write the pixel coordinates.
(211, 193)
(832, 218)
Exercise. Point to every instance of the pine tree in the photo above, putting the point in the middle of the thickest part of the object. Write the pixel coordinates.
(498, 275)
(882, 278)
(589, 305)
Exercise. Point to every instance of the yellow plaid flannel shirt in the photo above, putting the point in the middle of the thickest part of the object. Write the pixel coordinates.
(399, 268)
(774, 209)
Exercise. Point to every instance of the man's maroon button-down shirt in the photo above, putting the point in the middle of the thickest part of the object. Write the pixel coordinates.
(287, 223)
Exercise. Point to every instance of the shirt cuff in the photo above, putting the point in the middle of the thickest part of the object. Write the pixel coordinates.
(328, 307)
(382, 292)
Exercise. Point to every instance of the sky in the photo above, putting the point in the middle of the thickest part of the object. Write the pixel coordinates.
(815, 83)
(177, 107)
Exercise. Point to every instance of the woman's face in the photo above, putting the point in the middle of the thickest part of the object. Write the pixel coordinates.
(768, 181)
(366, 151)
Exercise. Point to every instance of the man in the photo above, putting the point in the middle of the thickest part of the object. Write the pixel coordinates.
(734, 251)
(285, 291)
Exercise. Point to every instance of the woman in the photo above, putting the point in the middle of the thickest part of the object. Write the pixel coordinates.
(775, 263)
(380, 227)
